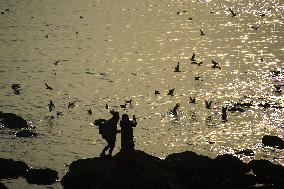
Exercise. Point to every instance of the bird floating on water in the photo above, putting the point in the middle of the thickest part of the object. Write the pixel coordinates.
(202, 33)
(174, 110)
(57, 61)
(59, 114)
(106, 106)
(51, 105)
(177, 68)
(256, 27)
(17, 88)
(198, 63)
(123, 105)
(128, 102)
(277, 88)
(192, 58)
(197, 78)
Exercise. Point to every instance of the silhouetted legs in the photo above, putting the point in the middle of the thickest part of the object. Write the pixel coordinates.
(110, 145)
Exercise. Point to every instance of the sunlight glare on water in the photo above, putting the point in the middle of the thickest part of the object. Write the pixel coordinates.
(126, 49)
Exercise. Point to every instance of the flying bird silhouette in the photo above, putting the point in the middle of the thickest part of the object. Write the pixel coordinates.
(192, 100)
(208, 104)
(51, 105)
(171, 92)
(71, 104)
(157, 92)
(232, 12)
(47, 86)
(215, 65)
(89, 112)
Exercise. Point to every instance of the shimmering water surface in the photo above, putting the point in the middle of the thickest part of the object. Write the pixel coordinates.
(127, 49)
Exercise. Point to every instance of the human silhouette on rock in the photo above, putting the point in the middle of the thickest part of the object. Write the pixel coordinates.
(108, 130)
(126, 125)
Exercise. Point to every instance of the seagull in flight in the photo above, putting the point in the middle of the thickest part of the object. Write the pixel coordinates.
(47, 86)
(57, 61)
(208, 104)
(232, 12)
(215, 65)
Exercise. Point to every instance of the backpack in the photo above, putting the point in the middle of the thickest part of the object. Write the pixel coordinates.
(102, 126)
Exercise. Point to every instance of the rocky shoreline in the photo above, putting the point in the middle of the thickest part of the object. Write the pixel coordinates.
(143, 171)
(140, 170)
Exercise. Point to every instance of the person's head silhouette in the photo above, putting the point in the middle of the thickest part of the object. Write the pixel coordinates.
(125, 117)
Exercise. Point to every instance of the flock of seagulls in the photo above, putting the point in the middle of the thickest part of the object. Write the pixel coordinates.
(208, 104)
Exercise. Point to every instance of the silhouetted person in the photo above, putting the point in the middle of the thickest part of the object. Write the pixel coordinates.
(108, 130)
(126, 125)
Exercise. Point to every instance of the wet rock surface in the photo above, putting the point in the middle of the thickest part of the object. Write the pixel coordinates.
(179, 170)
(273, 141)
(2, 186)
(12, 169)
(26, 133)
(44, 176)
(12, 121)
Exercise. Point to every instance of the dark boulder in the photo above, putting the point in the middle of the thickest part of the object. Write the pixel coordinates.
(44, 176)
(198, 171)
(246, 152)
(2, 186)
(26, 133)
(190, 168)
(177, 171)
(267, 172)
(145, 171)
(12, 121)
(273, 141)
(12, 169)
(230, 165)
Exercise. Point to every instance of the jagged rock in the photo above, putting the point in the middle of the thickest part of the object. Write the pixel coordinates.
(198, 171)
(12, 169)
(273, 141)
(230, 165)
(246, 152)
(267, 172)
(190, 168)
(106, 173)
(2, 186)
(12, 121)
(177, 171)
(26, 133)
(44, 176)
